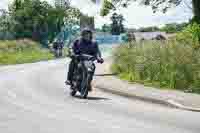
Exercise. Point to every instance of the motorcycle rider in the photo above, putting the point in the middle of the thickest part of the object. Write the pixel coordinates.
(84, 45)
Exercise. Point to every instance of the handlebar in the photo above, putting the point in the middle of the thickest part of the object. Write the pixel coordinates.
(85, 57)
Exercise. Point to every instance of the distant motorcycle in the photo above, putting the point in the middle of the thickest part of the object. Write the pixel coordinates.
(58, 49)
(83, 75)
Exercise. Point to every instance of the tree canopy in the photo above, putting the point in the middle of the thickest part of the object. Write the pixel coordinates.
(174, 27)
(157, 5)
(106, 28)
(117, 26)
(39, 20)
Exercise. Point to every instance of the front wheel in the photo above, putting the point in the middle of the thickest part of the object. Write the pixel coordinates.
(86, 88)
(84, 96)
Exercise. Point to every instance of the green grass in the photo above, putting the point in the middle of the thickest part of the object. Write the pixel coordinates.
(166, 64)
(22, 51)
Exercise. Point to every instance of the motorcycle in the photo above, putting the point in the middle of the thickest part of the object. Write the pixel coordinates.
(83, 75)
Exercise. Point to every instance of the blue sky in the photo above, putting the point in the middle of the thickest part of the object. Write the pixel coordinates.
(135, 15)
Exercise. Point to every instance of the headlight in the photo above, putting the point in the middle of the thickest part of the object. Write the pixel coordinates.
(89, 65)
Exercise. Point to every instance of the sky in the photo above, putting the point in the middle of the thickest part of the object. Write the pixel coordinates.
(135, 15)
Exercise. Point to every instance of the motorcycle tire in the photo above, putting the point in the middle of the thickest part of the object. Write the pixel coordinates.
(83, 88)
(87, 81)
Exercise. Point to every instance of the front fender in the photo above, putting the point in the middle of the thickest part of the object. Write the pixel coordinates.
(89, 66)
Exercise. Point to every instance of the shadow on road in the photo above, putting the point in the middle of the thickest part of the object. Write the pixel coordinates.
(92, 98)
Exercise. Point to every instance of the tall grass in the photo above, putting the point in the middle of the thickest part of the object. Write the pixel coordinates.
(22, 51)
(164, 64)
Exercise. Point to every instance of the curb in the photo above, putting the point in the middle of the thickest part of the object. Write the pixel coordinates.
(180, 106)
(168, 103)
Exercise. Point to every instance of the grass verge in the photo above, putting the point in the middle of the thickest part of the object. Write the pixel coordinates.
(161, 64)
(22, 51)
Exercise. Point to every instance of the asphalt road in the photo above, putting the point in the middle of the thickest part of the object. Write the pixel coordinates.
(34, 99)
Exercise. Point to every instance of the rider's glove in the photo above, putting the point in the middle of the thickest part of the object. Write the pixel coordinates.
(100, 60)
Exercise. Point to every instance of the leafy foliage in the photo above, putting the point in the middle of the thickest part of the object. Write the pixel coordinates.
(106, 28)
(107, 6)
(157, 5)
(162, 64)
(174, 27)
(38, 20)
(22, 51)
(190, 35)
(148, 29)
(117, 26)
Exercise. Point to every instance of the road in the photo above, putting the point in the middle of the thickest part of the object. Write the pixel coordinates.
(34, 99)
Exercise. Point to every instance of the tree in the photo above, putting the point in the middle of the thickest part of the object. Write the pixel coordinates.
(174, 27)
(114, 25)
(39, 20)
(148, 29)
(87, 22)
(121, 25)
(168, 28)
(157, 5)
(106, 28)
(4, 21)
(117, 26)
(6, 25)
(30, 18)
(196, 10)
(107, 6)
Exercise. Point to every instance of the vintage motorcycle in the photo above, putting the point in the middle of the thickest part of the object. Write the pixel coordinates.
(83, 75)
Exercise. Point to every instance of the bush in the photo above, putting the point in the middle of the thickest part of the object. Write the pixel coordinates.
(167, 63)
(190, 35)
(17, 45)
(22, 51)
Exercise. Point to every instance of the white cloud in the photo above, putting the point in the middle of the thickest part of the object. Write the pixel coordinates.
(4, 4)
(135, 15)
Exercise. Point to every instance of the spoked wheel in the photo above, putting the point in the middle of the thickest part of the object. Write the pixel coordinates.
(84, 90)
(74, 85)
(86, 85)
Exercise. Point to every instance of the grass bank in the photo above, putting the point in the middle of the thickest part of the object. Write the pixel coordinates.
(162, 64)
(22, 51)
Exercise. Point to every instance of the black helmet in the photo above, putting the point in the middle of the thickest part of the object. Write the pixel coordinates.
(86, 31)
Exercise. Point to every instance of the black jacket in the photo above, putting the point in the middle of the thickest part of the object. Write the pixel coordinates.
(86, 47)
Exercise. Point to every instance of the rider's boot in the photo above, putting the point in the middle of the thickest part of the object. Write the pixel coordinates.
(67, 82)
